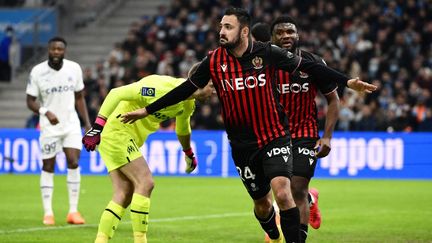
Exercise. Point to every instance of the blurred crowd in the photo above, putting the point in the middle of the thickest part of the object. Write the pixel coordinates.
(384, 42)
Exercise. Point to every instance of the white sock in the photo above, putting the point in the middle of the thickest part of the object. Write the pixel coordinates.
(73, 184)
(47, 188)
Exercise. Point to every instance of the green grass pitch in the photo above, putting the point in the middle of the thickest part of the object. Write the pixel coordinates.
(191, 209)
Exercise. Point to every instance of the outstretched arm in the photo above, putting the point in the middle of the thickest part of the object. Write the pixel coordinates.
(180, 93)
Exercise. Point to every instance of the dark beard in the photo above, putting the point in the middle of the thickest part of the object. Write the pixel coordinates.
(55, 64)
(231, 45)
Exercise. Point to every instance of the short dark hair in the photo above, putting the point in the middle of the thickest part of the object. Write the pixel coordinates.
(282, 19)
(242, 15)
(57, 38)
(261, 32)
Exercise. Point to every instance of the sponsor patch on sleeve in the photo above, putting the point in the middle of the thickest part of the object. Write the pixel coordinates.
(146, 91)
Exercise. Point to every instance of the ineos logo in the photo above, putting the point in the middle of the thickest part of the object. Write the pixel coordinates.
(248, 82)
(293, 88)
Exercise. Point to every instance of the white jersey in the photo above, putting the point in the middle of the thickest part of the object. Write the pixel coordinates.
(56, 91)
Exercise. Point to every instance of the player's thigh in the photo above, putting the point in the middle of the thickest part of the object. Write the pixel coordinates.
(304, 157)
(50, 146)
(250, 172)
(277, 158)
(118, 149)
(138, 172)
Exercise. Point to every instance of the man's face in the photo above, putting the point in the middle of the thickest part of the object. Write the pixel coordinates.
(230, 32)
(285, 36)
(56, 51)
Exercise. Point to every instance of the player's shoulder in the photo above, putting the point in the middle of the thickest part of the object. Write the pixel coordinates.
(70, 63)
(311, 56)
(40, 69)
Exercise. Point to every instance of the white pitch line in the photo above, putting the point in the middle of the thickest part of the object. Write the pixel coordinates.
(48, 228)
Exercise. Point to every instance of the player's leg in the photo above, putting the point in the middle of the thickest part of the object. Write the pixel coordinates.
(299, 188)
(303, 170)
(258, 187)
(47, 189)
(72, 149)
(138, 172)
(277, 166)
(266, 216)
(114, 211)
(50, 146)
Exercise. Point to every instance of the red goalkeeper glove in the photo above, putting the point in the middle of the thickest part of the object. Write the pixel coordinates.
(191, 161)
(92, 136)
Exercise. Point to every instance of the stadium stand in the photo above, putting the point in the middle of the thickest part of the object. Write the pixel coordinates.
(387, 42)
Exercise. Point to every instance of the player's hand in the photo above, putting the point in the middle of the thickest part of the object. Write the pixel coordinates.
(52, 118)
(191, 161)
(361, 86)
(323, 145)
(92, 137)
(132, 116)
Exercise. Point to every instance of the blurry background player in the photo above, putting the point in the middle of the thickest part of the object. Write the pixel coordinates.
(243, 73)
(297, 95)
(261, 32)
(119, 147)
(58, 85)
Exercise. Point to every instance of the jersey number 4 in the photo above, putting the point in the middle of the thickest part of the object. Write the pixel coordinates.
(246, 174)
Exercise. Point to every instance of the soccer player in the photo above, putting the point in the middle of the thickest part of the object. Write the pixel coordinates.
(119, 147)
(59, 86)
(297, 95)
(243, 74)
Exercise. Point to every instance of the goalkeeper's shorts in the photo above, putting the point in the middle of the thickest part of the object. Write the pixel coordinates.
(117, 148)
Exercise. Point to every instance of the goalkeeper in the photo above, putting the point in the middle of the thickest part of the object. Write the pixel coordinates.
(119, 147)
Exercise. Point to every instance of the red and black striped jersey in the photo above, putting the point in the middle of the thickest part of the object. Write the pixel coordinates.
(246, 87)
(297, 95)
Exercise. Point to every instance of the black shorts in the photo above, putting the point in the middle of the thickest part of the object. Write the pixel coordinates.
(256, 167)
(304, 157)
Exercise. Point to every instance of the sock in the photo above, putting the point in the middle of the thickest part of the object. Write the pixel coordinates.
(140, 207)
(47, 188)
(269, 225)
(303, 232)
(290, 223)
(110, 219)
(73, 183)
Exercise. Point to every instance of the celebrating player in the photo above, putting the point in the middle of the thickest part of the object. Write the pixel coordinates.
(242, 72)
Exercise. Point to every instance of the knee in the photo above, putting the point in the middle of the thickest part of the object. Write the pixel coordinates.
(282, 195)
(72, 163)
(48, 167)
(263, 207)
(145, 186)
(123, 197)
(299, 192)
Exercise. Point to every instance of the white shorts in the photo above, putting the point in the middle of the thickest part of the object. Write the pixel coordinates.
(52, 145)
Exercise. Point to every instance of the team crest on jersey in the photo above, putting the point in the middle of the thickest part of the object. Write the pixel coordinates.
(303, 75)
(257, 62)
(146, 91)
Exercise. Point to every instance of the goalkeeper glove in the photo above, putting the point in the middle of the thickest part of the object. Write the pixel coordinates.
(92, 136)
(191, 161)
